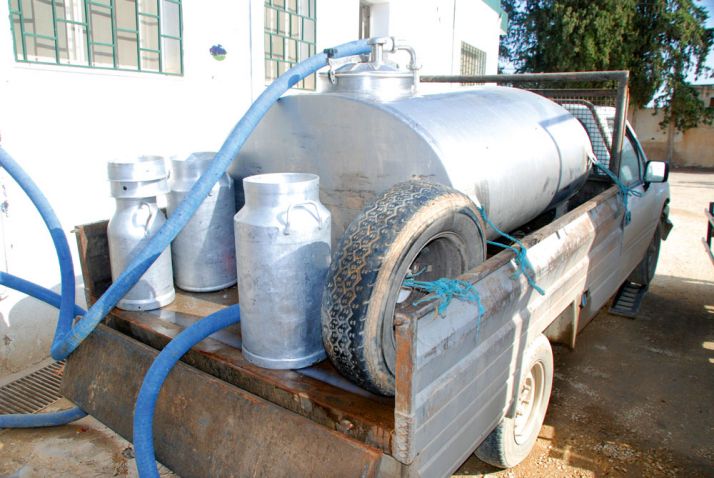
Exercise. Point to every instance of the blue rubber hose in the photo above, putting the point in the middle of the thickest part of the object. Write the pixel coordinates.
(65, 302)
(66, 309)
(68, 339)
(33, 290)
(50, 419)
(155, 377)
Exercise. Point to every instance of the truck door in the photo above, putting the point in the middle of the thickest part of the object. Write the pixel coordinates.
(638, 233)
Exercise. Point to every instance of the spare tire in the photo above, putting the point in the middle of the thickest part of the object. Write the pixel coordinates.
(415, 227)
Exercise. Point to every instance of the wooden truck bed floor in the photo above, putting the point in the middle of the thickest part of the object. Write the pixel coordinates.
(104, 375)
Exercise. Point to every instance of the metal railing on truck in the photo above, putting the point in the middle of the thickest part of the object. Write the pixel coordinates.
(584, 94)
(709, 213)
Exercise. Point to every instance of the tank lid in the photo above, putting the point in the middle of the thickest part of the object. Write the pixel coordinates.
(142, 168)
(376, 77)
(192, 167)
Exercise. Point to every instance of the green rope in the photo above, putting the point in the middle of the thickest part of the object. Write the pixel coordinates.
(625, 191)
(524, 265)
(443, 290)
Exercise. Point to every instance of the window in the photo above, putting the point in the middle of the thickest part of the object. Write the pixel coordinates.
(289, 37)
(629, 163)
(473, 60)
(137, 35)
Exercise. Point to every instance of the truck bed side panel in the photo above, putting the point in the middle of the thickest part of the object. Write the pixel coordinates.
(465, 366)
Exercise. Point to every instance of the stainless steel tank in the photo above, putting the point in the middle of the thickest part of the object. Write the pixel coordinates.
(204, 256)
(514, 152)
(135, 185)
(283, 253)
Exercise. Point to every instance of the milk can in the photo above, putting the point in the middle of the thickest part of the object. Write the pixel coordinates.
(135, 185)
(204, 256)
(283, 253)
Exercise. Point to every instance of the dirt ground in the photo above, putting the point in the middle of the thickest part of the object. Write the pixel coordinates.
(633, 399)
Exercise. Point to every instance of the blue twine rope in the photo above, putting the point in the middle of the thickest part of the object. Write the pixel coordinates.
(524, 265)
(625, 191)
(443, 290)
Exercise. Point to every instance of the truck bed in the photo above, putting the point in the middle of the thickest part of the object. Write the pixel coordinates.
(455, 374)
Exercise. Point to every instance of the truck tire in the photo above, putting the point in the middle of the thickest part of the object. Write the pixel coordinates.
(414, 226)
(645, 271)
(513, 439)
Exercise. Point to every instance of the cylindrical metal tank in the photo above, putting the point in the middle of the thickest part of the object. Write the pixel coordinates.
(514, 152)
(204, 257)
(135, 185)
(283, 253)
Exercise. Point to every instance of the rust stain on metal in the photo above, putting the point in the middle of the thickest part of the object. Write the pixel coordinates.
(197, 411)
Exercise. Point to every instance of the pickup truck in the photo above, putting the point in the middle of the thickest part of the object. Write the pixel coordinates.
(476, 378)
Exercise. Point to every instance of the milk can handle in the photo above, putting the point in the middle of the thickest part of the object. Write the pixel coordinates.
(303, 205)
(148, 219)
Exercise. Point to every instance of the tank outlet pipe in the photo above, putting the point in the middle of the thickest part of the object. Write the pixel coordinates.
(153, 380)
(68, 337)
(414, 66)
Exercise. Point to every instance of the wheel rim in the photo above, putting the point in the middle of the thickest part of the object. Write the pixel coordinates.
(444, 255)
(530, 402)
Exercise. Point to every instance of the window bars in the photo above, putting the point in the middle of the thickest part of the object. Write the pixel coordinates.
(290, 37)
(134, 35)
(473, 60)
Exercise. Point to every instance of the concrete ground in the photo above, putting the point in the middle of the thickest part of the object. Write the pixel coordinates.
(633, 399)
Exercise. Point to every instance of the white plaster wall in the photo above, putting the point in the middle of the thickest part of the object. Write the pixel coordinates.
(337, 22)
(62, 124)
(436, 28)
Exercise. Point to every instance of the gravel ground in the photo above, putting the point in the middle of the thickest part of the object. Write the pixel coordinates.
(633, 399)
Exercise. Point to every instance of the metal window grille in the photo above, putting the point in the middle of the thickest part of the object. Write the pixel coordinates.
(135, 35)
(290, 32)
(473, 60)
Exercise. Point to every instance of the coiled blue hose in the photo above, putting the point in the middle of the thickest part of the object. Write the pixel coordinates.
(64, 256)
(67, 338)
(49, 419)
(65, 302)
(154, 379)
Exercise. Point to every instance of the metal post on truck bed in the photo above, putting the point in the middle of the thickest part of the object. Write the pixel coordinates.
(620, 77)
(710, 231)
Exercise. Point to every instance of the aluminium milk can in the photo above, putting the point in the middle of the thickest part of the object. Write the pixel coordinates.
(283, 253)
(135, 185)
(204, 256)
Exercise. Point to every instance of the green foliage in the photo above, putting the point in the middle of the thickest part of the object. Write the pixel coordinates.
(660, 41)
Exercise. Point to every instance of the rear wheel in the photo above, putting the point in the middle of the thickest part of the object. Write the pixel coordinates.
(513, 439)
(414, 228)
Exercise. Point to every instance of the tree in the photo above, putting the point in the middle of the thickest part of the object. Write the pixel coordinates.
(660, 41)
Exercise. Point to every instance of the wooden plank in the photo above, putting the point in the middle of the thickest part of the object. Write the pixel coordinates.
(205, 426)
(93, 249)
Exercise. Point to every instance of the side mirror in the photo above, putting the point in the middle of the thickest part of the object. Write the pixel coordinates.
(656, 172)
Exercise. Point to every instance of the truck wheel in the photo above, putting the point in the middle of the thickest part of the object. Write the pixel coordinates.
(645, 271)
(415, 227)
(513, 439)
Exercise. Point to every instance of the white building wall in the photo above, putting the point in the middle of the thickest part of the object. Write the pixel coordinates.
(63, 123)
(436, 28)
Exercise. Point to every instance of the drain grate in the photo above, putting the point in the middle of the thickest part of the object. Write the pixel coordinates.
(32, 392)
